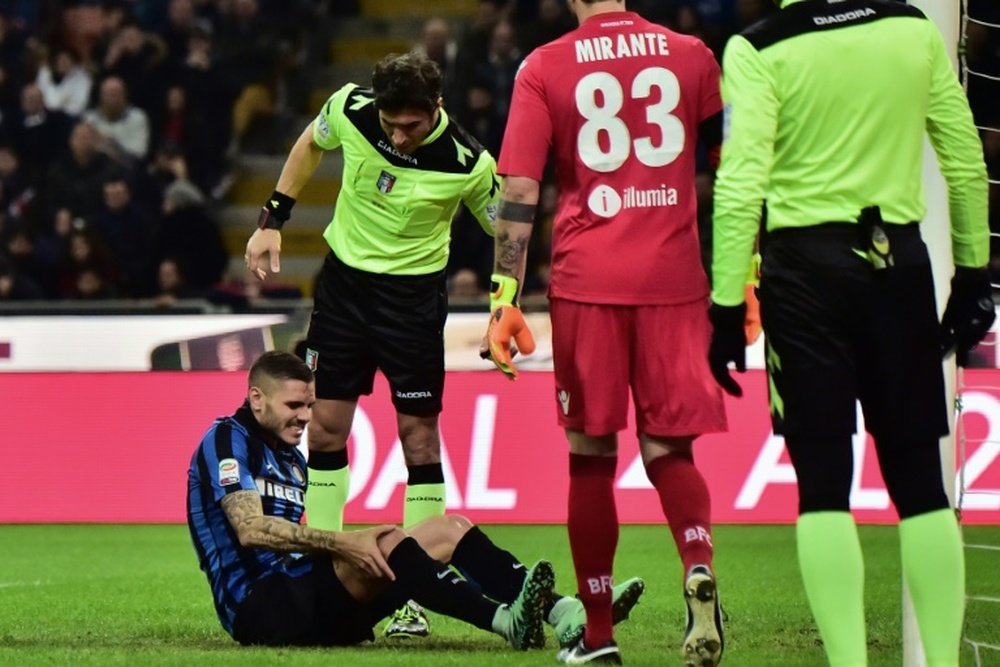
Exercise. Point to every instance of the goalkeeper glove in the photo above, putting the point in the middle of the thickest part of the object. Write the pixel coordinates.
(751, 322)
(969, 313)
(728, 344)
(506, 324)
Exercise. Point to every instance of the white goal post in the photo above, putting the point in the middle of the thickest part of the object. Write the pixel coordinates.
(936, 232)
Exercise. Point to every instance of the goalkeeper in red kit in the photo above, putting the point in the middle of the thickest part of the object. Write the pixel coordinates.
(620, 103)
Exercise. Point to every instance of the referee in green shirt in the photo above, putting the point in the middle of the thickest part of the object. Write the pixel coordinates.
(827, 103)
(381, 300)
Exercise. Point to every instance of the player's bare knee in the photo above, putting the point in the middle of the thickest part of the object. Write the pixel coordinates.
(653, 447)
(458, 525)
(389, 541)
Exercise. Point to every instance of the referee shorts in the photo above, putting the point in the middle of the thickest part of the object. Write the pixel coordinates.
(365, 321)
(313, 609)
(839, 331)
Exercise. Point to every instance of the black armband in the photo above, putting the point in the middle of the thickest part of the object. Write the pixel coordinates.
(276, 211)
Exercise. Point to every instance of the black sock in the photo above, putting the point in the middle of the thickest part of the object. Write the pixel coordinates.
(328, 460)
(434, 585)
(496, 571)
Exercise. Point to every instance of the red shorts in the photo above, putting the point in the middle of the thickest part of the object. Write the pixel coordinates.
(660, 352)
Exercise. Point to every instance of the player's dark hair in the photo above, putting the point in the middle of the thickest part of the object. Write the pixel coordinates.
(277, 365)
(408, 81)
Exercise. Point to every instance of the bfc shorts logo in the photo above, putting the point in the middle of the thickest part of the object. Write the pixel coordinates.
(563, 397)
(312, 359)
(229, 472)
(385, 182)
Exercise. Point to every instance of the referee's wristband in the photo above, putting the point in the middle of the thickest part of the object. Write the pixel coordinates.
(503, 291)
(276, 211)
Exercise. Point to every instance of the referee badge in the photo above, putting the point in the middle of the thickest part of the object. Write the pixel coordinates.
(312, 358)
(385, 182)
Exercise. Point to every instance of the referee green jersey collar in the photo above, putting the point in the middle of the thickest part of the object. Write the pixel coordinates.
(439, 129)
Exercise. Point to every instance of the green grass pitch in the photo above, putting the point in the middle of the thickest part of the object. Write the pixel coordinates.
(133, 595)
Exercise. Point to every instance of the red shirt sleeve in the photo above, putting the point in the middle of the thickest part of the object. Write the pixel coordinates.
(711, 87)
(528, 136)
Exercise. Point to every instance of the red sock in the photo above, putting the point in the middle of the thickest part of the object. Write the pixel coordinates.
(687, 506)
(593, 537)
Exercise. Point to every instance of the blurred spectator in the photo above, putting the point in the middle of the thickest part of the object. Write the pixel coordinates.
(16, 287)
(42, 134)
(436, 43)
(491, 86)
(126, 232)
(13, 45)
(65, 83)
(86, 271)
(463, 285)
(16, 193)
(125, 128)
(190, 132)
(92, 284)
(75, 180)
(171, 283)
(188, 234)
(553, 21)
(249, 61)
(475, 40)
(181, 22)
(19, 247)
(139, 60)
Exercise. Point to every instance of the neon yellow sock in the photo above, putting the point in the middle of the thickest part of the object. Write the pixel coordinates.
(934, 569)
(422, 502)
(833, 573)
(326, 497)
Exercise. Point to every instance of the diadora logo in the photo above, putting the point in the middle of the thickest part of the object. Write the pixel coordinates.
(392, 151)
(414, 394)
(845, 17)
(607, 202)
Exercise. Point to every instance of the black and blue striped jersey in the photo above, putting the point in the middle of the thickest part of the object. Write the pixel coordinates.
(234, 456)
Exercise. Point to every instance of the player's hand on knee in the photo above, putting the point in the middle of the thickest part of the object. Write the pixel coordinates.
(969, 313)
(728, 345)
(361, 549)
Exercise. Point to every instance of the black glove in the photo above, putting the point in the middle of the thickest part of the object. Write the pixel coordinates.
(729, 343)
(969, 314)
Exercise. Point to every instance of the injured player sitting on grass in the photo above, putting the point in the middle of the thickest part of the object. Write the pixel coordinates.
(277, 582)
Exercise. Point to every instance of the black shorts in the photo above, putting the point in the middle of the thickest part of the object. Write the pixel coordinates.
(310, 610)
(366, 321)
(838, 331)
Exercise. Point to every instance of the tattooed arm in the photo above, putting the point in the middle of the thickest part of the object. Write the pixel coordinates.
(258, 531)
(518, 201)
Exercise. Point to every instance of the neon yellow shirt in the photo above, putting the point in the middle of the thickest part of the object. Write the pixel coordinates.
(825, 108)
(394, 211)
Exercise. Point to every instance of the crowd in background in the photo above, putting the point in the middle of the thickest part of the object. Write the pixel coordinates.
(122, 122)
